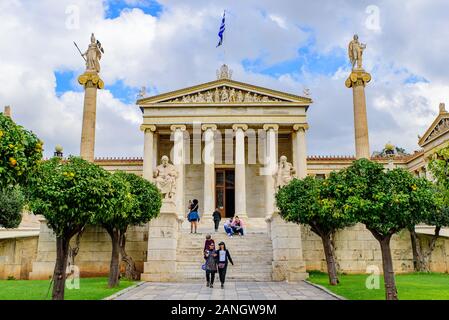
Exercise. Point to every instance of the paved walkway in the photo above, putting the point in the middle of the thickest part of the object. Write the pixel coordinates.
(232, 291)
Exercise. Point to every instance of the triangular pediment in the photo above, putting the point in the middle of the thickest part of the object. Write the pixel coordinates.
(438, 128)
(225, 91)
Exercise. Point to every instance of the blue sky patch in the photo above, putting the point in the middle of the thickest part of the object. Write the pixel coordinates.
(122, 92)
(115, 7)
(66, 81)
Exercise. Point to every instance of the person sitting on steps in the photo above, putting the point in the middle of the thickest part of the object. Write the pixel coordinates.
(228, 227)
(237, 226)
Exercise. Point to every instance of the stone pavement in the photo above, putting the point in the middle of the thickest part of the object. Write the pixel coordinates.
(232, 291)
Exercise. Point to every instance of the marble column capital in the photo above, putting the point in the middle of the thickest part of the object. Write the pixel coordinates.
(175, 127)
(358, 77)
(149, 127)
(271, 126)
(238, 126)
(212, 127)
(300, 126)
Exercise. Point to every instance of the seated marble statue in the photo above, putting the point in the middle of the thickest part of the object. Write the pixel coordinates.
(284, 174)
(165, 178)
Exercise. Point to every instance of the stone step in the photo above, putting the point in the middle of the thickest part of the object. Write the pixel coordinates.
(240, 278)
(235, 257)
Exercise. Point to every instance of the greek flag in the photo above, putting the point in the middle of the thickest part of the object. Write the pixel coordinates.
(221, 31)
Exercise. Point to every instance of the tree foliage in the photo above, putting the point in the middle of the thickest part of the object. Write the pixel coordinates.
(140, 202)
(316, 202)
(69, 194)
(20, 151)
(11, 204)
(386, 202)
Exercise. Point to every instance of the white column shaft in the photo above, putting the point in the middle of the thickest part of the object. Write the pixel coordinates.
(148, 155)
(301, 154)
(271, 155)
(240, 174)
(178, 161)
(209, 172)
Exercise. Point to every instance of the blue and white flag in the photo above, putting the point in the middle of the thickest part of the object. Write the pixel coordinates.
(221, 31)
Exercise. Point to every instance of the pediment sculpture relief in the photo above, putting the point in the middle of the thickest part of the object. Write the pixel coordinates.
(440, 128)
(223, 95)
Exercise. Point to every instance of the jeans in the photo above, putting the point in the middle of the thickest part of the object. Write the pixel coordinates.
(228, 230)
(210, 276)
(240, 230)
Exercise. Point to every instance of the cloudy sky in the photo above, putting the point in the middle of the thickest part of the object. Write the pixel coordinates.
(170, 44)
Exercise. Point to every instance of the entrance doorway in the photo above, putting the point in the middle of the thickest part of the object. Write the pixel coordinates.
(225, 192)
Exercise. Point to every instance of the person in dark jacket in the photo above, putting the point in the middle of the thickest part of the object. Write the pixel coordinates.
(223, 256)
(208, 242)
(210, 255)
(216, 216)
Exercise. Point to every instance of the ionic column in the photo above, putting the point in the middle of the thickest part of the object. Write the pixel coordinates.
(240, 170)
(270, 167)
(209, 168)
(148, 151)
(91, 81)
(357, 81)
(300, 150)
(178, 162)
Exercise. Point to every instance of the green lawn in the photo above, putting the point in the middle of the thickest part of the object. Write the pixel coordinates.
(412, 286)
(90, 289)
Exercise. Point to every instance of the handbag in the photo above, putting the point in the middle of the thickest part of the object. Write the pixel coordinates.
(203, 267)
(221, 265)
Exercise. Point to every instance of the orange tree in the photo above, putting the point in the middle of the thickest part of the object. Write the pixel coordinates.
(315, 202)
(20, 151)
(70, 194)
(141, 203)
(386, 202)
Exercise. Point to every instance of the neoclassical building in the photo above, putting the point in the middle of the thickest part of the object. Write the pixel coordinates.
(225, 139)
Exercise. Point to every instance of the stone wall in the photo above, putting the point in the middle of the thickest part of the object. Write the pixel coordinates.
(16, 256)
(356, 249)
(94, 253)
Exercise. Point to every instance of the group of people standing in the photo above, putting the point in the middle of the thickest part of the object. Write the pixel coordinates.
(231, 226)
(215, 260)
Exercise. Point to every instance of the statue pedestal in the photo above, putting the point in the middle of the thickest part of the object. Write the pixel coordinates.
(288, 260)
(162, 243)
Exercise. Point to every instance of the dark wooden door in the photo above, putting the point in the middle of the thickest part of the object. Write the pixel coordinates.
(225, 192)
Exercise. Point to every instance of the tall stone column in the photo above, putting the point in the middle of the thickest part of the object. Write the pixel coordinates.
(148, 151)
(91, 82)
(178, 162)
(357, 81)
(270, 167)
(300, 150)
(240, 170)
(209, 168)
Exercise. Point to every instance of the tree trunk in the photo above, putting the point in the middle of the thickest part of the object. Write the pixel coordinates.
(114, 269)
(130, 266)
(330, 260)
(59, 274)
(418, 259)
(391, 292)
(428, 254)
